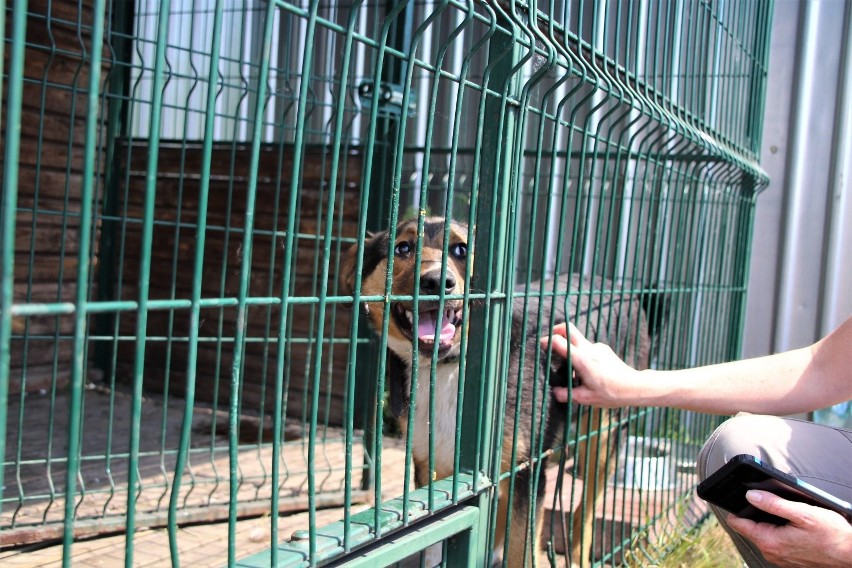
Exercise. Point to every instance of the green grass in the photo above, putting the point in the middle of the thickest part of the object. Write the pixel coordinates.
(709, 548)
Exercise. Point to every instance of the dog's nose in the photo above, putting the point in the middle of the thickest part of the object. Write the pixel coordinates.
(430, 283)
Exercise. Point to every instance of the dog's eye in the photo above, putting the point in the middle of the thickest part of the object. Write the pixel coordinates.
(402, 248)
(459, 250)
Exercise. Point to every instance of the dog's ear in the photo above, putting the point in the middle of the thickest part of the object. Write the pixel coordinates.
(375, 248)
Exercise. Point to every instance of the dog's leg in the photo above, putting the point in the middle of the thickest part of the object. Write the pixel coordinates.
(502, 515)
(590, 465)
(514, 553)
(522, 546)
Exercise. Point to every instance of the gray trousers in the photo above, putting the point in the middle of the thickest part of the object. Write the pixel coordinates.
(820, 455)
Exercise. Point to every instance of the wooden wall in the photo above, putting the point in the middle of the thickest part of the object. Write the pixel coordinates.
(47, 235)
(47, 241)
(173, 253)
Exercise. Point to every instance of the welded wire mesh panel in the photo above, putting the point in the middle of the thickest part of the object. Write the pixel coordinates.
(619, 140)
(148, 389)
(294, 258)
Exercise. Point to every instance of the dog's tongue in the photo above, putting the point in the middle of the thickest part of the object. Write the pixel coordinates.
(426, 327)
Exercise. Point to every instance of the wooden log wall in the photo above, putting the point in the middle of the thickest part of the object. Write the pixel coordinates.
(173, 252)
(57, 71)
(47, 236)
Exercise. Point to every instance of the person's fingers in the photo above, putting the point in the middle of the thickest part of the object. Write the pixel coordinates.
(766, 501)
(771, 503)
(751, 530)
(576, 337)
(561, 335)
(558, 343)
(740, 524)
(567, 330)
(560, 394)
(558, 329)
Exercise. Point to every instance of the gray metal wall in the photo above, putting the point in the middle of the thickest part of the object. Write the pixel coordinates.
(801, 269)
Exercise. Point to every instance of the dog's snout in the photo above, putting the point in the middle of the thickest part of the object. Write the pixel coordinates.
(430, 283)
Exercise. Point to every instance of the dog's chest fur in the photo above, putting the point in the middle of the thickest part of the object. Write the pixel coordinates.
(443, 421)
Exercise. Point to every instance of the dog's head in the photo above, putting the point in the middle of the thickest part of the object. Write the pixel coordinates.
(434, 325)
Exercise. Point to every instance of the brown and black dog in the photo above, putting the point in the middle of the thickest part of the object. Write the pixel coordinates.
(618, 321)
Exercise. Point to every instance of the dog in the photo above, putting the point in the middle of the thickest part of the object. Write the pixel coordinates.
(436, 329)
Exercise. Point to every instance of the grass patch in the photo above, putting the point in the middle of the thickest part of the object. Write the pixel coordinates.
(709, 548)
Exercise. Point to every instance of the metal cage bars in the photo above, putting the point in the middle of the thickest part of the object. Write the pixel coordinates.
(681, 129)
(618, 111)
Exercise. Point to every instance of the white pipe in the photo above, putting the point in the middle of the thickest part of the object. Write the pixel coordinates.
(797, 189)
(836, 285)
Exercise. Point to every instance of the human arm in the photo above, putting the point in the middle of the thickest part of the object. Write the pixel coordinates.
(785, 383)
(814, 537)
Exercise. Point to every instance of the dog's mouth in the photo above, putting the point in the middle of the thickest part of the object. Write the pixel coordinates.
(427, 324)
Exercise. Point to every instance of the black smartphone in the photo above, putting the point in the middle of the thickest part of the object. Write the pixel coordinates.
(726, 488)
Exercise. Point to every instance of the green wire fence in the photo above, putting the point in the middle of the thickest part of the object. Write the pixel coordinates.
(185, 183)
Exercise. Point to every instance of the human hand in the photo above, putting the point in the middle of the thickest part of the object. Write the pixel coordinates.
(815, 537)
(605, 380)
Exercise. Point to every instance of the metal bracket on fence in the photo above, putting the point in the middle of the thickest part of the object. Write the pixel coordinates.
(389, 97)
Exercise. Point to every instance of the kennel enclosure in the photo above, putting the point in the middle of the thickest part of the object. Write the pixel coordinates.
(181, 181)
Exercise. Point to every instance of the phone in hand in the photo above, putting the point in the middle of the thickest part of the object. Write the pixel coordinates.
(726, 488)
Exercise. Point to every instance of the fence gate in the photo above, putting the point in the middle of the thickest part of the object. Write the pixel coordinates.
(205, 327)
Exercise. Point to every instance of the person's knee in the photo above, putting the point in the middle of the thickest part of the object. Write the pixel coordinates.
(753, 434)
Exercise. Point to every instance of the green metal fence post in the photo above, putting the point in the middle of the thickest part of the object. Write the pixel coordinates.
(197, 278)
(393, 69)
(146, 238)
(10, 201)
(491, 220)
(241, 323)
(81, 314)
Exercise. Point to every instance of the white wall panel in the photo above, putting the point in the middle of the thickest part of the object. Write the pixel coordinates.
(801, 269)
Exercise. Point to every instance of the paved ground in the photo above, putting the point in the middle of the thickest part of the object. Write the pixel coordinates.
(35, 484)
(36, 515)
(199, 545)
(206, 544)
